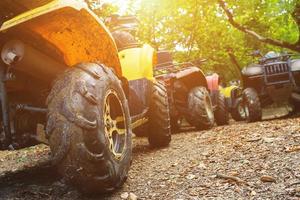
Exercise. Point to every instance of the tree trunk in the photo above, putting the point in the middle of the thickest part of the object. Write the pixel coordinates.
(234, 62)
(296, 16)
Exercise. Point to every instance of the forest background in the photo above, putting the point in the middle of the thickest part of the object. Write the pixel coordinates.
(224, 32)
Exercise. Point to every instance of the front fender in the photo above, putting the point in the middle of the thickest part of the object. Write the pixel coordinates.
(252, 70)
(68, 28)
(228, 91)
(295, 65)
(137, 63)
(191, 77)
(213, 82)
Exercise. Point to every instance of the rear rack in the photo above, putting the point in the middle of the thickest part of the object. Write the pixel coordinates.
(167, 68)
(172, 67)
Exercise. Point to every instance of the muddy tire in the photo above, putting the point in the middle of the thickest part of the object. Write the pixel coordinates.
(89, 128)
(252, 105)
(200, 111)
(295, 102)
(221, 112)
(159, 117)
(238, 112)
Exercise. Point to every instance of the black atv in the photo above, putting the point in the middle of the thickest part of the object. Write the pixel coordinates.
(271, 86)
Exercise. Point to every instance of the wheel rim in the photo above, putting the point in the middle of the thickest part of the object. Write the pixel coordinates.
(246, 111)
(208, 108)
(242, 111)
(114, 123)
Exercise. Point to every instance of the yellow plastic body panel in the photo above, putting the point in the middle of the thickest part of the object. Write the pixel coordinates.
(227, 91)
(71, 29)
(137, 63)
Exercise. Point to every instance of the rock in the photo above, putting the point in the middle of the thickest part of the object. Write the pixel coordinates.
(132, 196)
(190, 176)
(255, 139)
(205, 153)
(266, 178)
(268, 140)
(202, 165)
(297, 192)
(233, 173)
(124, 195)
(193, 192)
(292, 149)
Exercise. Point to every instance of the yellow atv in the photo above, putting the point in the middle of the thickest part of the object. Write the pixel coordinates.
(234, 101)
(148, 98)
(61, 77)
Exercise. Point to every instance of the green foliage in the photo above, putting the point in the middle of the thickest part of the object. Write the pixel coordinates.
(194, 29)
(103, 10)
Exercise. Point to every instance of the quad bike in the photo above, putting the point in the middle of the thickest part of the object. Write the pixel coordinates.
(218, 100)
(62, 83)
(187, 91)
(233, 97)
(271, 86)
(137, 62)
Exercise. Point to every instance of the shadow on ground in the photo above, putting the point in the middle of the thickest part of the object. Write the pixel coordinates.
(43, 182)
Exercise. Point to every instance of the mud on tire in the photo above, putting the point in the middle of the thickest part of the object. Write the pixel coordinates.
(252, 105)
(89, 128)
(221, 112)
(159, 117)
(200, 111)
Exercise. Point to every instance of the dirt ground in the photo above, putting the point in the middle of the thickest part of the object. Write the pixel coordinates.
(239, 161)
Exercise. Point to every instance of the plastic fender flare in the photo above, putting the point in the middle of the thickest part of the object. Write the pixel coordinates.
(213, 82)
(192, 77)
(137, 63)
(295, 65)
(60, 25)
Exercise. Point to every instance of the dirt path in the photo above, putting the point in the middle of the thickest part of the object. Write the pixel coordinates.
(223, 163)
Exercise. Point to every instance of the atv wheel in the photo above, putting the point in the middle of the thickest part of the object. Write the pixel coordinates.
(295, 102)
(252, 106)
(89, 128)
(159, 117)
(221, 113)
(238, 112)
(200, 112)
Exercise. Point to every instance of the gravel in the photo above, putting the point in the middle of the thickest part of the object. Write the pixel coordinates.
(240, 161)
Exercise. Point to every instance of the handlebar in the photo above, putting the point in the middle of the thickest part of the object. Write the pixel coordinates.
(287, 56)
(116, 20)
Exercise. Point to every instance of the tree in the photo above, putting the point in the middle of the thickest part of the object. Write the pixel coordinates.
(194, 29)
(280, 43)
(102, 10)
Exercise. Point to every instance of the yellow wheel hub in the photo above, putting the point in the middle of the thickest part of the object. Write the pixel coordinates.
(114, 123)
